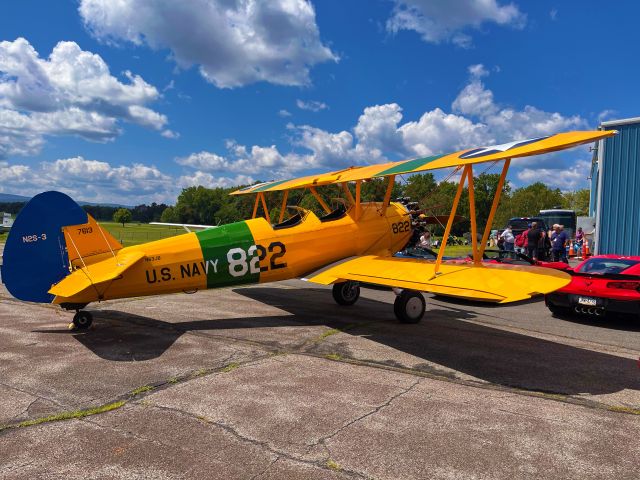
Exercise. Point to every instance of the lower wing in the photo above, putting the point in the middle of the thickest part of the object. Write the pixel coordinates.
(486, 282)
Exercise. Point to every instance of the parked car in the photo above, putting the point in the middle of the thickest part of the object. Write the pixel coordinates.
(600, 285)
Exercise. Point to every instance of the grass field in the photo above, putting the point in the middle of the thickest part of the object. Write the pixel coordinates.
(131, 233)
(457, 250)
(135, 233)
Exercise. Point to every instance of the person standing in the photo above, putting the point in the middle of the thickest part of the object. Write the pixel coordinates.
(558, 241)
(579, 240)
(521, 241)
(534, 236)
(509, 239)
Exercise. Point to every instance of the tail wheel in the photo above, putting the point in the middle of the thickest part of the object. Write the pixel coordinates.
(409, 306)
(82, 320)
(346, 293)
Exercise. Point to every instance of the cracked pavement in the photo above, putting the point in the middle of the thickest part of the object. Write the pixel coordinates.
(276, 381)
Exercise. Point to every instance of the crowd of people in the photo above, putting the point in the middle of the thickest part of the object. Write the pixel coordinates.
(541, 245)
(534, 241)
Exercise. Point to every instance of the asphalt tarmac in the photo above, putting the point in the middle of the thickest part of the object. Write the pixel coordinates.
(279, 382)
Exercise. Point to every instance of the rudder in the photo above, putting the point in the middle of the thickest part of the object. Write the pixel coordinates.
(36, 252)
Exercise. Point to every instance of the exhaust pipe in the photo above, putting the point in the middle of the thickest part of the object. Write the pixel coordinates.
(589, 311)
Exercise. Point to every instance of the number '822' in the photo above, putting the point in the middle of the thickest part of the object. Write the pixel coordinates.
(401, 227)
(239, 266)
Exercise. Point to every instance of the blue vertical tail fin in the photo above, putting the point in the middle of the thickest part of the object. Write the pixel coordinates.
(35, 254)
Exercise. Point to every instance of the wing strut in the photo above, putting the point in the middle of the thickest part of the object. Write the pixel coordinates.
(447, 230)
(264, 207)
(387, 195)
(260, 199)
(322, 203)
(345, 187)
(284, 205)
(358, 206)
(255, 206)
(494, 207)
(472, 215)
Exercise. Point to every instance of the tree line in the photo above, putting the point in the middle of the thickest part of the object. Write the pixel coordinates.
(214, 206)
(140, 213)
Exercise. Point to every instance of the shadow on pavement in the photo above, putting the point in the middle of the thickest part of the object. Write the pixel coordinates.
(626, 323)
(442, 339)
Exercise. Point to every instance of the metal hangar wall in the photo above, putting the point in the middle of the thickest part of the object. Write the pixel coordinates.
(615, 189)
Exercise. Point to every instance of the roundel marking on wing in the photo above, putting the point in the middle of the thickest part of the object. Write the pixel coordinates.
(484, 151)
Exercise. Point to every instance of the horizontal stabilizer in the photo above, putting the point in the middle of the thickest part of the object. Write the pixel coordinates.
(486, 282)
(96, 274)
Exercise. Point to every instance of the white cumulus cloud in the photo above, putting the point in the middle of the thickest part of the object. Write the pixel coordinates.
(233, 42)
(311, 105)
(208, 180)
(91, 180)
(506, 123)
(449, 21)
(72, 92)
(573, 177)
(381, 133)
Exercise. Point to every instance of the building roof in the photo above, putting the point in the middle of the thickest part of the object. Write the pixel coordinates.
(624, 121)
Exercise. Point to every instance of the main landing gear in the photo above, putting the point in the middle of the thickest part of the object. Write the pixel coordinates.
(82, 320)
(409, 305)
(346, 293)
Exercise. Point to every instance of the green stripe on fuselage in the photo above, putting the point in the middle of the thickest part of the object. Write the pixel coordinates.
(409, 165)
(225, 254)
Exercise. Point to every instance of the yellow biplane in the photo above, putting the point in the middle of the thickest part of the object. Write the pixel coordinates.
(57, 253)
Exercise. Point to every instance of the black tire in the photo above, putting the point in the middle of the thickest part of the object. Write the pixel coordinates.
(82, 320)
(346, 293)
(409, 306)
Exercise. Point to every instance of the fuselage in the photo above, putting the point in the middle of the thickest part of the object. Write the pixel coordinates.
(253, 251)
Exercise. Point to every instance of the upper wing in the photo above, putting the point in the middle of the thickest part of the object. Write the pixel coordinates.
(487, 282)
(523, 148)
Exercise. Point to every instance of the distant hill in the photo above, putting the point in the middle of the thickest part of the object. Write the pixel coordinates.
(10, 198)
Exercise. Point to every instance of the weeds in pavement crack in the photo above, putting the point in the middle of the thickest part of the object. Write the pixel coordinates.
(67, 415)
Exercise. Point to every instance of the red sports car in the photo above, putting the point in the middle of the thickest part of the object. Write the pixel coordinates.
(599, 285)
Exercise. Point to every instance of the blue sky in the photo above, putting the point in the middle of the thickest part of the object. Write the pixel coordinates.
(132, 101)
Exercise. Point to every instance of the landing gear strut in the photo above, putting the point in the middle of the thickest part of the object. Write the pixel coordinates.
(346, 293)
(81, 320)
(409, 306)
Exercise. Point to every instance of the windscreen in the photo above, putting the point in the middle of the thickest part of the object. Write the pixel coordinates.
(566, 219)
(522, 224)
(519, 224)
(600, 266)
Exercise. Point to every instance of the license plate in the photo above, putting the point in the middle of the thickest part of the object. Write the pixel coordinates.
(592, 302)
